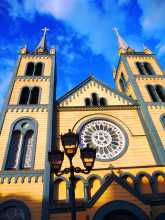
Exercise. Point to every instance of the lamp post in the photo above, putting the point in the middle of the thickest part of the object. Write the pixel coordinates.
(70, 145)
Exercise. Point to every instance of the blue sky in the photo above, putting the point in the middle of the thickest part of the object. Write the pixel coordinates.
(81, 31)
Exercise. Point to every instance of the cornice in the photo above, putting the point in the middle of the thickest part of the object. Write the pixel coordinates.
(156, 105)
(32, 78)
(157, 77)
(16, 175)
(27, 108)
(99, 108)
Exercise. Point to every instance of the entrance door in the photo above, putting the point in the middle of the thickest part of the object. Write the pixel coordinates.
(120, 215)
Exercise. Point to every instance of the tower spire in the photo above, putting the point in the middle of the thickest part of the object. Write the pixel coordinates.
(121, 42)
(42, 46)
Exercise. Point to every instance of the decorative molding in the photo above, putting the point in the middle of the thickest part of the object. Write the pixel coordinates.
(149, 77)
(17, 175)
(27, 108)
(32, 78)
(98, 108)
(37, 56)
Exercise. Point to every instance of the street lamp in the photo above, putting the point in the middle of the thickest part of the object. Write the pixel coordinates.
(70, 145)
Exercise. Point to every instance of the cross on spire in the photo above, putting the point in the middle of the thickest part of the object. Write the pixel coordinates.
(45, 29)
(42, 44)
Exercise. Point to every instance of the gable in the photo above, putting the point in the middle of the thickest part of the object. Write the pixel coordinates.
(77, 96)
(115, 192)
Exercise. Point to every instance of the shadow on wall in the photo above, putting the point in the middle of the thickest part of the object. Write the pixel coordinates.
(19, 207)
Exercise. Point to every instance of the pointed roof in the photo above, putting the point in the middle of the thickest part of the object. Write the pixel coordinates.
(121, 42)
(42, 45)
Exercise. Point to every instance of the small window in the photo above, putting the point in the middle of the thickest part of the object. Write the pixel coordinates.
(103, 102)
(24, 96)
(87, 102)
(161, 93)
(94, 99)
(29, 69)
(38, 69)
(34, 97)
(153, 94)
(149, 69)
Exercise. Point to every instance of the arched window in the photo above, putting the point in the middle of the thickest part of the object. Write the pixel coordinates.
(94, 185)
(29, 96)
(103, 102)
(87, 102)
(94, 99)
(162, 119)
(141, 68)
(14, 210)
(29, 69)
(38, 69)
(79, 189)
(60, 190)
(34, 96)
(21, 146)
(27, 147)
(122, 82)
(149, 68)
(24, 96)
(161, 93)
(145, 185)
(153, 93)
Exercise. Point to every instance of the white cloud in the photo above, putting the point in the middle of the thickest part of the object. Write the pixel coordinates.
(153, 15)
(83, 16)
(152, 22)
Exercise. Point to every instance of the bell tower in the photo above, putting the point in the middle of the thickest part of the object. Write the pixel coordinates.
(26, 121)
(139, 76)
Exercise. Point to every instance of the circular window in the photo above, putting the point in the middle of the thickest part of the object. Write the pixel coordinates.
(105, 136)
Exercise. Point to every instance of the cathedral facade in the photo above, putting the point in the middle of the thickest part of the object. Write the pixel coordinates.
(126, 125)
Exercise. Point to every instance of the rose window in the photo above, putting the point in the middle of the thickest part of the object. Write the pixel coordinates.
(106, 137)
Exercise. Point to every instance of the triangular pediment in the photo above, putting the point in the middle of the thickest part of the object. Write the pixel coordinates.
(115, 188)
(77, 96)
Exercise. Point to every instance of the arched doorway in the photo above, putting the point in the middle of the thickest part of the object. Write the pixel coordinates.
(120, 210)
(120, 215)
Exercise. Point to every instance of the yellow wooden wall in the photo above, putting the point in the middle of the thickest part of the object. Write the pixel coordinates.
(138, 146)
(29, 193)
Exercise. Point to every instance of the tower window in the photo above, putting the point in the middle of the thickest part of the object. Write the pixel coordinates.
(145, 68)
(141, 68)
(161, 93)
(38, 69)
(153, 94)
(94, 99)
(21, 147)
(34, 69)
(103, 102)
(29, 96)
(149, 69)
(24, 96)
(34, 96)
(162, 119)
(29, 69)
(122, 82)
